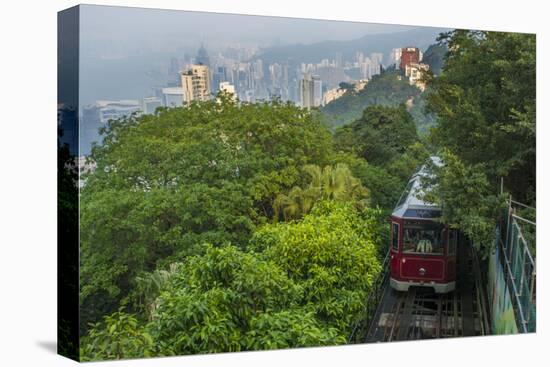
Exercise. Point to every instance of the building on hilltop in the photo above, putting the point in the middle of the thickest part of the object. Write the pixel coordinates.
(414, 72)
(333, 94)
(409, 55)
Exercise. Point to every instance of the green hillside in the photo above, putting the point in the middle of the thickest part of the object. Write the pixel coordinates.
(387, 89)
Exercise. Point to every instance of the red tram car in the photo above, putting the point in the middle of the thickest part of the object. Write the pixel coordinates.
(423, 251)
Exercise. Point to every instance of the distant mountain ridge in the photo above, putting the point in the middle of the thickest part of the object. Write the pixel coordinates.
(421, 37)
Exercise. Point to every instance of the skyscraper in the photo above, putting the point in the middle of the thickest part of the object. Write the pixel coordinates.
(377, 57)
(396, 57)
(311, 91)
(220, 76)
(317, 91)
(196, 83)
(306, 91)
(339, 60)
(173, 97)
(202, 56)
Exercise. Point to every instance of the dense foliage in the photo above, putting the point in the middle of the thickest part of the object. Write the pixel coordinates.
(299, 284)
(216, 173)
(380, 135)
(467, 199)
(331, 253)
(168, 182)
(120, 336)
(227, 226)
(328, 183)
(387, 140)
(485, 103)
(67, 254)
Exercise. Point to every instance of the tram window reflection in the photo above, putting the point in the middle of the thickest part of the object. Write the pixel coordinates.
(422, 240)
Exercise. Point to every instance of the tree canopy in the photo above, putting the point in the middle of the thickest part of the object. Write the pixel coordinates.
(168, 182)
(299, 284)
(380, 135)
(485, 103)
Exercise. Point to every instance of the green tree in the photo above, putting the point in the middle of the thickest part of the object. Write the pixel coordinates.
(289, 329)
(149, 286)
(120, 336)
(229, 300)
(485, 103)
(166, 183)
(467, 199)
(434, 57)
(332, 253)
(380, 135)
(67, 254)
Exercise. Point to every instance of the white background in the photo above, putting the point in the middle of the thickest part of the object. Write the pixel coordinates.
(28, 182)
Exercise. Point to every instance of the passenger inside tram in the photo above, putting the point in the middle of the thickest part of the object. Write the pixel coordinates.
(421, 240)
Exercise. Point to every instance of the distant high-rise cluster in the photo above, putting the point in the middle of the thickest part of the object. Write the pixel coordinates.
(395, 56)
(242, 72)
(369, 66)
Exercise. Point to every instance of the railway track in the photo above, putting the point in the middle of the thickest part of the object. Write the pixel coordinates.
(422, 314)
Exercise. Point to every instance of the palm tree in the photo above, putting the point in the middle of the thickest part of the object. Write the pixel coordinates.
(295, 204)
(329, 183)
(149, 286)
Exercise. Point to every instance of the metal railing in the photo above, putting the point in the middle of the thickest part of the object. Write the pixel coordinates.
(519, 268)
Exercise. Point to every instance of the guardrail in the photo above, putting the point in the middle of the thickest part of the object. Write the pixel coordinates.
(519, 267)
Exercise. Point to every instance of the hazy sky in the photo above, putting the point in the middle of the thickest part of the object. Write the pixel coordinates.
(123, 50)
(110, 28)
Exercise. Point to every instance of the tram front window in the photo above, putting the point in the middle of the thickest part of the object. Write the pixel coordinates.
(423, 239)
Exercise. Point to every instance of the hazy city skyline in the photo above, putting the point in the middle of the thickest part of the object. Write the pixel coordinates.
(125, 52)
(133, 60)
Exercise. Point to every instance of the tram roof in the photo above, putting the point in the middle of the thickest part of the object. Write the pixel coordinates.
(411, 204)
